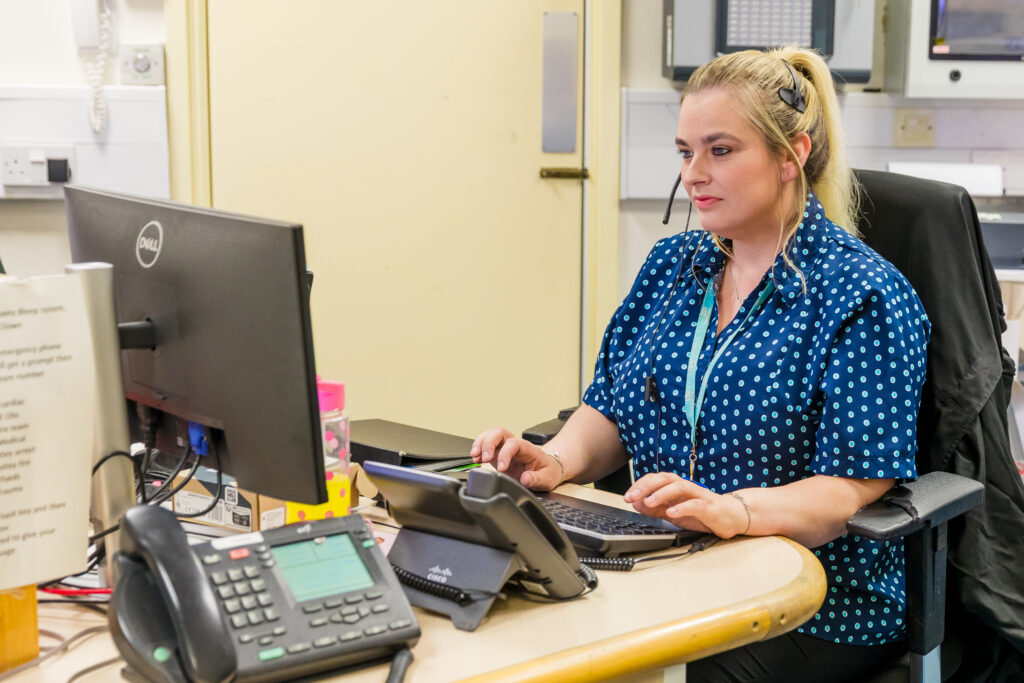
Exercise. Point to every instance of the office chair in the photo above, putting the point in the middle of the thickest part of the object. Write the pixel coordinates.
(929, 231)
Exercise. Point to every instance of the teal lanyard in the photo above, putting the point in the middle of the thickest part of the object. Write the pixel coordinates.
(695, 400)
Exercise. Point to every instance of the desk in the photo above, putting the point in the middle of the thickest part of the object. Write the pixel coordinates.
(736, 592)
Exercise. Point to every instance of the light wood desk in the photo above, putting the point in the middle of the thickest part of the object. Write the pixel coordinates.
(658, 615)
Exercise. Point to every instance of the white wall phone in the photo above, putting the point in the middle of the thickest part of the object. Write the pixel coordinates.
(93, 23)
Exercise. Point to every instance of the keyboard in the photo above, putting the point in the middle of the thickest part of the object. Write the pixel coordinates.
(609, 531)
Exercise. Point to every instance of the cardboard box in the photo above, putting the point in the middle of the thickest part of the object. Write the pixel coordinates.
(340, 496)
(242, 510)
(237, 509)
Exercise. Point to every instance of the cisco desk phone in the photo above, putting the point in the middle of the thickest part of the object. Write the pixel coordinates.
(263, 606)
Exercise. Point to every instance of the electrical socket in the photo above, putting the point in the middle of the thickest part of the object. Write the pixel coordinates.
(24, 165)
(913, 127)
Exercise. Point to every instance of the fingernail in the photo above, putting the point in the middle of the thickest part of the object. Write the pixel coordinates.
(630, 495)
(649, 500)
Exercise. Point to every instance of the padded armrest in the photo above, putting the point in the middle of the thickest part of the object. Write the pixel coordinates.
(541, 433)
(933, 499)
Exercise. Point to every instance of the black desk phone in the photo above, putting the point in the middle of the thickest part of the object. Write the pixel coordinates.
(467, 539)
(263, 606)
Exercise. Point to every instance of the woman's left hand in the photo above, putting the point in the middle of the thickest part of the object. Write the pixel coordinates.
(687, 505)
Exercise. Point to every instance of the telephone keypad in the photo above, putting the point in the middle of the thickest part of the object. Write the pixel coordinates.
(250, 591)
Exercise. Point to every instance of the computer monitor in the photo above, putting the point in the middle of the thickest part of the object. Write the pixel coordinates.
(228, 299)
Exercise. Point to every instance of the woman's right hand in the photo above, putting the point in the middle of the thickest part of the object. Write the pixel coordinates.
(518, 458)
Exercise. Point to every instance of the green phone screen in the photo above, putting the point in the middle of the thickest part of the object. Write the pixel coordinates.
(322, 566)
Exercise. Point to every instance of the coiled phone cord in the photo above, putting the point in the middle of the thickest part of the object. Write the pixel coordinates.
(624, 564)
(615, 564)
(442, 590)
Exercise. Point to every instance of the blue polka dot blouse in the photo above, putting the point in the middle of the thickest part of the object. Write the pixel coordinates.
(824, 379)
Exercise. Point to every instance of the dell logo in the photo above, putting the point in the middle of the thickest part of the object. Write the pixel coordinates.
(148, 244)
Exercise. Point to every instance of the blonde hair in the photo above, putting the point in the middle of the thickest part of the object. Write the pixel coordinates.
(754, 78)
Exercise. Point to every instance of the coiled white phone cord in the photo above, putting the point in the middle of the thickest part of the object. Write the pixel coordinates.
(95, 69)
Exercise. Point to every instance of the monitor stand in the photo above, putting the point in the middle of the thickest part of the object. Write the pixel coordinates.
(113, 485)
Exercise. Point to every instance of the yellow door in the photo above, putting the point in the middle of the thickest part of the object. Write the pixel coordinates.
(406, 138)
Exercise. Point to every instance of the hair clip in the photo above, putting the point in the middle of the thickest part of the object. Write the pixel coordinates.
(792, 96)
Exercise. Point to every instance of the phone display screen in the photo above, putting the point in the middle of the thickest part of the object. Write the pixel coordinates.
(322, 566)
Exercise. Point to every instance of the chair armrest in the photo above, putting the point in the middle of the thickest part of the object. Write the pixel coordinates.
(929, 501)
(541, 433)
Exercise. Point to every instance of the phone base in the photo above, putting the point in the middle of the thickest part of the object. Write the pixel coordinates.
(450, 565)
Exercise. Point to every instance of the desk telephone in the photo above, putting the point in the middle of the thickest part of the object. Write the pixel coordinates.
(473, 537)
(262, 606)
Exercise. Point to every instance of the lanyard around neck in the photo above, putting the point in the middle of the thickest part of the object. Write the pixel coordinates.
(695, 399)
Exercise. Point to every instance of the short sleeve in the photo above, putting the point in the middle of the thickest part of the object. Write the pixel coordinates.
(871, 387)
(599, 394)
(653, 280)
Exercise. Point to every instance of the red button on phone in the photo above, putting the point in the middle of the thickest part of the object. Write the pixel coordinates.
(239, 553)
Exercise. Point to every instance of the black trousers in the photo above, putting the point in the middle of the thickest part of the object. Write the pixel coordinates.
(794, 657)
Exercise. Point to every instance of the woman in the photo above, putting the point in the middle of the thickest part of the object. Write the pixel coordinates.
(763, 375)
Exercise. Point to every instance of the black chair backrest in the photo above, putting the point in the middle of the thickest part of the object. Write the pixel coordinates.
(930, 232)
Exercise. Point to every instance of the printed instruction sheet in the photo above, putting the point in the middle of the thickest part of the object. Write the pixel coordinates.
(47, 396)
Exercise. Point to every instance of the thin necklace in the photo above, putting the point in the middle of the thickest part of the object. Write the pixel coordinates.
(735, 282)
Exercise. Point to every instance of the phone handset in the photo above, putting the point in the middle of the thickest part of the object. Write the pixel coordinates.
(93, 23)
(164, 615)
(553, 553)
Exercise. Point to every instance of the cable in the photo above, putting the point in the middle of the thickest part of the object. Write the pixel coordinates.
(155, 497)
(105, 532)
(454, 594)
(95, 667)
(77, 591)
(58, 649)
(399, 666)
(624, 564)
(216, 495)
(114, 454)
(182, 484)
(95, 69)
(615, 564)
